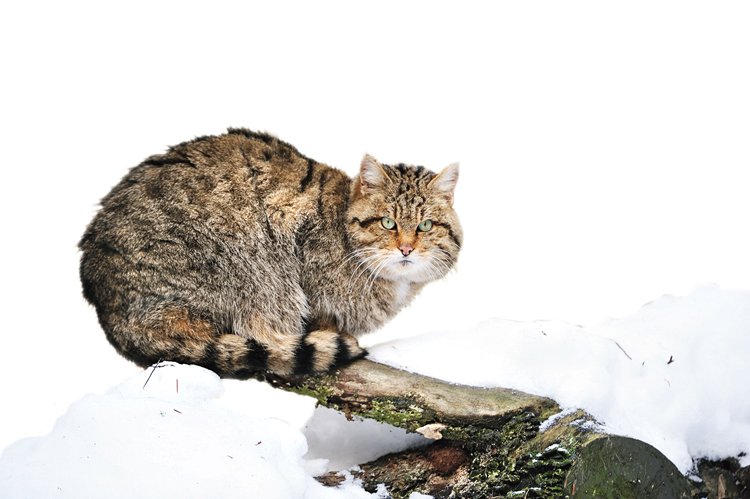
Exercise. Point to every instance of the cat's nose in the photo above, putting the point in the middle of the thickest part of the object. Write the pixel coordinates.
(406, 249)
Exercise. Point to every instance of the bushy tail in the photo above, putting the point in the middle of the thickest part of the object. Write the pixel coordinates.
(232, 356)
(317, 352)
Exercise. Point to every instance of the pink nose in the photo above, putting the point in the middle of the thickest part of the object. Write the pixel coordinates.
(405, 249)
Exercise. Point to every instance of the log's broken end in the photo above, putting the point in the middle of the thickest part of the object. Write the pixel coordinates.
(624, 467)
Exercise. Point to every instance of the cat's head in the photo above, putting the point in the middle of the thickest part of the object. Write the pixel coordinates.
(401, 221)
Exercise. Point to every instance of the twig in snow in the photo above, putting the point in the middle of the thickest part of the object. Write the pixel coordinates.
(623, 350)
(153, 368)
(670, 360)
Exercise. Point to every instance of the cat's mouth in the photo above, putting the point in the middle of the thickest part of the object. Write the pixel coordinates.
(414, 268)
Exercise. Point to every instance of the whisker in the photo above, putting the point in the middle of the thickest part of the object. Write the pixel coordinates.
(358, 258)
(364, 265)
(439, 266)
(376, 273)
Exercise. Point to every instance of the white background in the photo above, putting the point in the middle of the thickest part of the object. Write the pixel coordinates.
(603, 147)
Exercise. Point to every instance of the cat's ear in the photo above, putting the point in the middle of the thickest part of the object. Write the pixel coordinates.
(445, 181)
(371, 174)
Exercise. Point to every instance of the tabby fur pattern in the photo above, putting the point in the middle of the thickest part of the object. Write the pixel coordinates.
(239, 254)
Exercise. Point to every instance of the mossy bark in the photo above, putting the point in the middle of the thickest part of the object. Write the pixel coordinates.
(487, 442)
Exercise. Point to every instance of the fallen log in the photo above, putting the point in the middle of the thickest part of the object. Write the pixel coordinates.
(487, 441)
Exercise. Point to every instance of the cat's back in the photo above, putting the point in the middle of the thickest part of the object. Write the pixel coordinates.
(230, 170)
(241, 182)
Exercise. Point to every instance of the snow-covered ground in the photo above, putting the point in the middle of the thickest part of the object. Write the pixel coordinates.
(183, 434)
(674, 375)
(603, 151)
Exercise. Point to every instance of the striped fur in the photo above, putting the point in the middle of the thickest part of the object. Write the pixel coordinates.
(238, 253)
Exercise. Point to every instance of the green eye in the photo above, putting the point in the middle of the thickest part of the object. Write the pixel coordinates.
(425, 225)
(388, 223)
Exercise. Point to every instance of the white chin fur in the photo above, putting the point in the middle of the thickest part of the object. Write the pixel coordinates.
(414, 269)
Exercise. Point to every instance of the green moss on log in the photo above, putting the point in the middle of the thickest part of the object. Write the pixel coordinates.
(319, 388)
(400, 412)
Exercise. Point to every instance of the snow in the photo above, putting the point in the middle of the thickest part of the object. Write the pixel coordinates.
(603, 152)
(552, 420)
(175, 437)
(674, 374)
(345, 445)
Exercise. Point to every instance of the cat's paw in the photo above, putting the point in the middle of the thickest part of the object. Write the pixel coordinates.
(323, 350)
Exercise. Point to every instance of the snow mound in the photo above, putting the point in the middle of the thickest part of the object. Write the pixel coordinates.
(674, 374)
(174, 437)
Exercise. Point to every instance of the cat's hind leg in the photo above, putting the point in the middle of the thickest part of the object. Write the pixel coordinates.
(178, 334)
(277, 317)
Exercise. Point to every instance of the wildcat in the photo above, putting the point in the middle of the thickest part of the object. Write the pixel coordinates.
(237, 253)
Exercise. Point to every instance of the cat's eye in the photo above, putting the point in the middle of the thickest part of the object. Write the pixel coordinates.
(388, 223)
(425, 225)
